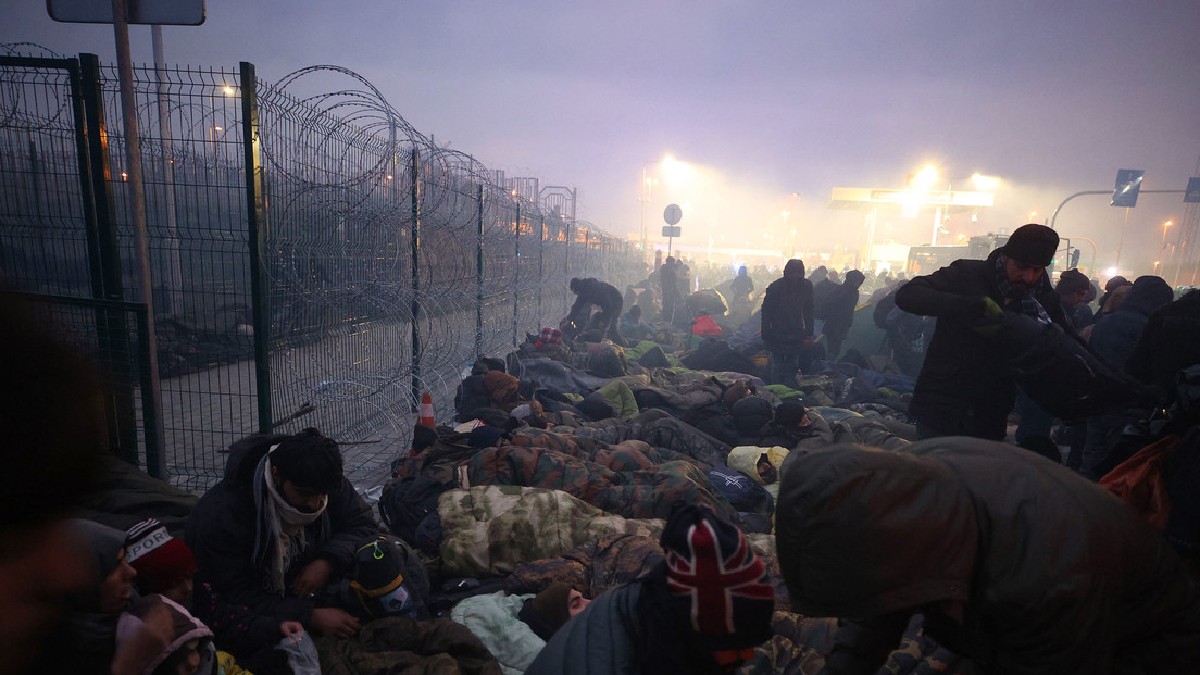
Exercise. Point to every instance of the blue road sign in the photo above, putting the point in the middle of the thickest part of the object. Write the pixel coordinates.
(1125, 193)
(1192, 194)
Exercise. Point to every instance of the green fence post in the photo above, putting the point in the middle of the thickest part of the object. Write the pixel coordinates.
(479, 271)
(257, 235)
(516, 270)
(151, 414)
(112, 331)
(416, 195)
(541, 252)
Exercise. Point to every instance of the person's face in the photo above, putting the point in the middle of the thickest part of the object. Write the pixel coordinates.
(180, 592)
(576, 602)
(305, 500)
(1022, 275)
(117, 587)
(45, 564)
(1072, 298)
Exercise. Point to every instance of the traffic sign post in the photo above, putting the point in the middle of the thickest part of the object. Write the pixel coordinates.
(672, 215)
(120, 13)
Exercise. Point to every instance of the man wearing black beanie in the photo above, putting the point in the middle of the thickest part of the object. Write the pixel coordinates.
(965, 388)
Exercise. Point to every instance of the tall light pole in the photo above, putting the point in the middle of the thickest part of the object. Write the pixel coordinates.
(645, 193)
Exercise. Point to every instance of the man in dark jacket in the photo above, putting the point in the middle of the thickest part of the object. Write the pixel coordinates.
(1113, 340)
(965, 388)
(592, 291)
(1016, 563)
(787, 321)
(269, 538)
(839, 307)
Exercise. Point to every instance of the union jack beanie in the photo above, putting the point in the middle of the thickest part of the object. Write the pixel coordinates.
(717, 577)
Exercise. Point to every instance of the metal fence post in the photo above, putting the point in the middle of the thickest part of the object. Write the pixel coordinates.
(112, 331)
(541, 247)
(258, 231)
(479, 271)
(516, 269)
(415, 238)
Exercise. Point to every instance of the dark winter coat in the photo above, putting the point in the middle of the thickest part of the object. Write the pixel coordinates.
(1053, 573)
(787, 310)
(1116, 334)
(1168, 343)
(840, 309)
(964, 386)
(230, 585)
(592, 291)
(601, 639)
(472, 395)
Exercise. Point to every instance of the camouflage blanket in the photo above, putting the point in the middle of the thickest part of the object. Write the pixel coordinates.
(605, 481)
(400, 646)
(637, 453)
(606, 563)
(592, 568)
(838, 425)
(661, 430)
(490, 529)
(801, 643)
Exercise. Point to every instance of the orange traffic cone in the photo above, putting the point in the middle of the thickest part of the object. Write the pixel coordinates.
(426, 418)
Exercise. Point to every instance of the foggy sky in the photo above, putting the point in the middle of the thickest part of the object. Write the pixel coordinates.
(768, 98)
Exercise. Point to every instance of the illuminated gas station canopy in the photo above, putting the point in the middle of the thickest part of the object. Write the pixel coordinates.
(859, 198)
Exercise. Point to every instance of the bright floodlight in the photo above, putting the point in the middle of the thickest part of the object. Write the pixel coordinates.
(985, 183)
(675, 171)
(1111, 272)
(926, 178)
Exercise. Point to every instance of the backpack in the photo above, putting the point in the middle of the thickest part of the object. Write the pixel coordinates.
(406, 502)
(388, 579)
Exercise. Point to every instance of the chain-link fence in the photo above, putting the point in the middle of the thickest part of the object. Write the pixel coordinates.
(316, 260)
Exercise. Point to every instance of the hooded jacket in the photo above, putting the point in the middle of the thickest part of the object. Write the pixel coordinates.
(90, 633)
(1055, 575)
(231, 583)
(963, 383)
(184, 628)
(1116, 334)
(787, 310)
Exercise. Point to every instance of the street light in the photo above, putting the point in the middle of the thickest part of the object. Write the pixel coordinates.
(1167, 224)
(644, 196)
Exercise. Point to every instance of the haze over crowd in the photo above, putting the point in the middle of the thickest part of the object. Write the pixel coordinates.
(769, 104)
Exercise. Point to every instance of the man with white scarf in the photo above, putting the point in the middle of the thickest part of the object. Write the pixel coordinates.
(272, 536)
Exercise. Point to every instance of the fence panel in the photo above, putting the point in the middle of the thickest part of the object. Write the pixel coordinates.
(388, 263)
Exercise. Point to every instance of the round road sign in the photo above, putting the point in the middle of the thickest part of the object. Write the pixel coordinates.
(672, 214)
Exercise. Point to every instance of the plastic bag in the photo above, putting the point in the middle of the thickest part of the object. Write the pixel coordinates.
(301, 653)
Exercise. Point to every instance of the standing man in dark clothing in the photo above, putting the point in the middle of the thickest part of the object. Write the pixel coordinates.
(592, 291)
(668, 283)
(965, 388)
(840, 306)
(1073, 289)
(787, 321)
(740, 288)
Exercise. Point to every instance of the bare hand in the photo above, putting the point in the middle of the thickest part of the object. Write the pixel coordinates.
(290, 628)
(312, 578)
(333, 622)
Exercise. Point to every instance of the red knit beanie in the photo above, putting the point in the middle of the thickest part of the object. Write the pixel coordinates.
(161, 560)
